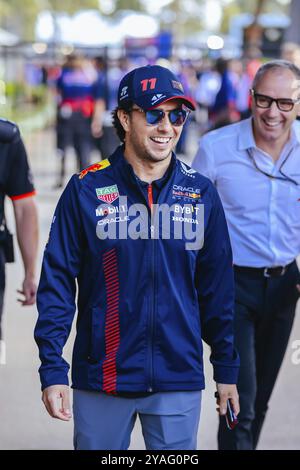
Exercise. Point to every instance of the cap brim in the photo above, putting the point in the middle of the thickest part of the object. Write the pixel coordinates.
(189, 102)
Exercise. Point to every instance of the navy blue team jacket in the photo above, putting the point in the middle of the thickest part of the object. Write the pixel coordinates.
(144, 302)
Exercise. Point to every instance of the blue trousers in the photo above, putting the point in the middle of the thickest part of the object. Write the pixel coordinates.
(169, 420)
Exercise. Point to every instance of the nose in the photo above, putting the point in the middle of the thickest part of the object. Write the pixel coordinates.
(273, 110)
(164, 124)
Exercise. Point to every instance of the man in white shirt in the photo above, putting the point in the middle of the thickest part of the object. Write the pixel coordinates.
(255, 165)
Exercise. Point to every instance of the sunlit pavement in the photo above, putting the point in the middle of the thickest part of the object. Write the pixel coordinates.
(24, 423)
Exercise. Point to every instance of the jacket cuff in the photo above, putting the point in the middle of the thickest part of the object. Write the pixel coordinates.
(226, 375)
(53, 377)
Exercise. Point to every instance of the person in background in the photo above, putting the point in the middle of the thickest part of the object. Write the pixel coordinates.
(110, 75)
(16, 183)
(79, 112)
(224, 110)
(291, 51)
(254, 165)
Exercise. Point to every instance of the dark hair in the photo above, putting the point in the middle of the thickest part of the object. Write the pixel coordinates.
(116, 121)
(275, 64)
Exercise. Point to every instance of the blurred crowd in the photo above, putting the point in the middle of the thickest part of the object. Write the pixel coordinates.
(85, 91)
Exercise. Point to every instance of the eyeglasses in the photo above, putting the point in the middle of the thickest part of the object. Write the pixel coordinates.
(177, 117)
(264, 101)
(283, 176)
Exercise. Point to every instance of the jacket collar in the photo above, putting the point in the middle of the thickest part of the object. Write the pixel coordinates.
(119, 162)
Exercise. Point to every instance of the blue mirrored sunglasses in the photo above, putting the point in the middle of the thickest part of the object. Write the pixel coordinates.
(177, 117)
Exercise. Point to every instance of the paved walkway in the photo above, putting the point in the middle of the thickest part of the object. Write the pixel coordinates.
(24, 423)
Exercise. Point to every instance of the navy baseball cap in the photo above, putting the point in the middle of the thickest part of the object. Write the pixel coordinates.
(150, 86)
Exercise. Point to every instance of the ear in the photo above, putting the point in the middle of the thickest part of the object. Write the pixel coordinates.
(124, 119)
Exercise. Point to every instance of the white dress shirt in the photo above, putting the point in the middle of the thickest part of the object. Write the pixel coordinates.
(263, 214)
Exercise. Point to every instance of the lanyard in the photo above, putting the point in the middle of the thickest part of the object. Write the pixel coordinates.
(284, 177)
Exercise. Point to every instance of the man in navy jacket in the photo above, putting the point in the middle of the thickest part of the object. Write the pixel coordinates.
(146, 240)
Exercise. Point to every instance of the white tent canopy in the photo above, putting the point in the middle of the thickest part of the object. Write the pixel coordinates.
(89, 28)
(7, 39)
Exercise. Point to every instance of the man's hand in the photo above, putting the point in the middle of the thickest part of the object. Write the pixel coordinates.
(29, 291)
(298, 287)
(227, 392)
(27, 234)
(57, 402)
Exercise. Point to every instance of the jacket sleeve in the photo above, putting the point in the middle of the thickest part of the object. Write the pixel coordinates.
(215, 287)
(57, 287)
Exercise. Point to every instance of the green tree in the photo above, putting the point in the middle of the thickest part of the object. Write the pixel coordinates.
(187, 17)
(70, 6)
(19, 16)
(136, 5)
(257, 7)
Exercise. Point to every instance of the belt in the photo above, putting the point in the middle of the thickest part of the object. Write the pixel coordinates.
(276, 271)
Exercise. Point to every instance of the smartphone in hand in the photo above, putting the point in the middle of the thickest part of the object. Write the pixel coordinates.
(231, 418)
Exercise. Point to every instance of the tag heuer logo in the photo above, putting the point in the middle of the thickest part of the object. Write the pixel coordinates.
(108, 194)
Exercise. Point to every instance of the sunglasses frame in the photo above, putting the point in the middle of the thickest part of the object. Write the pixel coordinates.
(161, 115)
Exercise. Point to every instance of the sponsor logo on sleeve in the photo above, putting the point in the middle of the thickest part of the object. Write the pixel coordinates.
(95, 167)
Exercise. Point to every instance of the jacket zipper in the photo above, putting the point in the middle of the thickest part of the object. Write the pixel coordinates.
(152, 311)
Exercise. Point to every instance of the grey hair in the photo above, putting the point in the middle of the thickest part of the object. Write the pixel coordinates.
(275, 64)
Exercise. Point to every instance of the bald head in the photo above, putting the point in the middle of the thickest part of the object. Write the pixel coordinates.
(275, 65)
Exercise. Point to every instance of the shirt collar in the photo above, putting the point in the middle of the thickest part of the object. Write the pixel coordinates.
(295, 133)
(246, 137)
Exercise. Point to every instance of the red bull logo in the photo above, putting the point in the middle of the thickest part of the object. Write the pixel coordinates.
(93, 168)
(194, 196)
(185, 195)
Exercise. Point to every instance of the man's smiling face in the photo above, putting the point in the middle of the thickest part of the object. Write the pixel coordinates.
(153, 143)
(271, 124)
